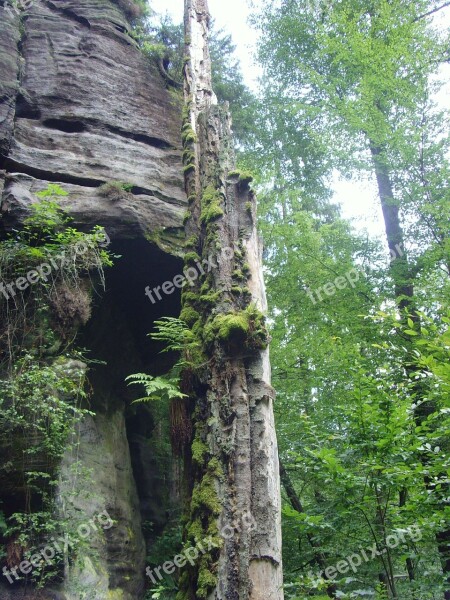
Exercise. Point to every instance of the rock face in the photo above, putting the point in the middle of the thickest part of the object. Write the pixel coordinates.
(81, 106)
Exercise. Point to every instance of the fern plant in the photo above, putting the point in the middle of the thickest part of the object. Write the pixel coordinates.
(156, 388)
(177, 337)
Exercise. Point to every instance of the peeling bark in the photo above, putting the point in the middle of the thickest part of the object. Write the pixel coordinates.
(233, 462)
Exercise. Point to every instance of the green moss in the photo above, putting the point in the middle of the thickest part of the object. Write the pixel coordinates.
(232, 327)
(237, 290)
(211, 299)
(244, 177)
(115, 190)
(192, 198)
(259, 338)
(249, 208)
(186, 217)
(199, 452)
(206, 286)
(188, 136)
(211, 213)
(204, 497)
(188, 169)
(188, 156)
(194, 530)
(206, 583)
(212, 238)
(238, 274)
(211, 209)
(191, 258)
(238, 329)
(191, 242)
(215, 468)
(197, 327)
(246, 268)
(187, 125)
(188, 296)
(189, 315)
(205, 509)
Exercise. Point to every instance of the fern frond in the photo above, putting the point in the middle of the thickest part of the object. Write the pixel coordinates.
(156, 388)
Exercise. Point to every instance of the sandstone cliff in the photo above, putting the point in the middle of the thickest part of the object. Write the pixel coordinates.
(81, 106)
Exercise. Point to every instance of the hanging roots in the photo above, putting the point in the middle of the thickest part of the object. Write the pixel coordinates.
(71, 307)
(180, 426)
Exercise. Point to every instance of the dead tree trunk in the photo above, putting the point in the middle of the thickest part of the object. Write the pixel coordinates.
(232, 462)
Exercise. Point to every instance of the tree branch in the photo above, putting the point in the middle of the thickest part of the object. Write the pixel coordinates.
(431, 12)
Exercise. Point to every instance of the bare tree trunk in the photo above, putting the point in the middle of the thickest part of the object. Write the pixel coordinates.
(232, 463)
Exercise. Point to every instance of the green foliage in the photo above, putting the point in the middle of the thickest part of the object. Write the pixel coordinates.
(179, 338)
(48, 265)
(42, 395)
(40, 407)
(229, 86)
(156, 388)
(164, 591)
(361, 403)
(114, 190)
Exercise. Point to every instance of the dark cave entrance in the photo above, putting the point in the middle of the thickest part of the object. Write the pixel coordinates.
(117, 334)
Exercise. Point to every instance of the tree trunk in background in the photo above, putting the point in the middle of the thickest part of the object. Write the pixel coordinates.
(404, 291)
(232, 466)
(297, 505)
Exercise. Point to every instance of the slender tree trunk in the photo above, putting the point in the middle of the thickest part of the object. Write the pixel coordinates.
(403, 496)
(233, 461)
(404, 288)
(297, 505)
(404, 291)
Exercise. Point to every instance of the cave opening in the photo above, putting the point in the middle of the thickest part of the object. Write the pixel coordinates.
(117, 335)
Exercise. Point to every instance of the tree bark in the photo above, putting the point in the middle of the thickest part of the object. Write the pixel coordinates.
(232, 464)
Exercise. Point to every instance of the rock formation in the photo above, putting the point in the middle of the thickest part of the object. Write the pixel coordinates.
(81, 106)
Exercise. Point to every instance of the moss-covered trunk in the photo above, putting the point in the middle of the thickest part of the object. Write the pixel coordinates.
(233, 463)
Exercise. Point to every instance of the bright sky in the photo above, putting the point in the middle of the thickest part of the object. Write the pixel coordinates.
(358, 200)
